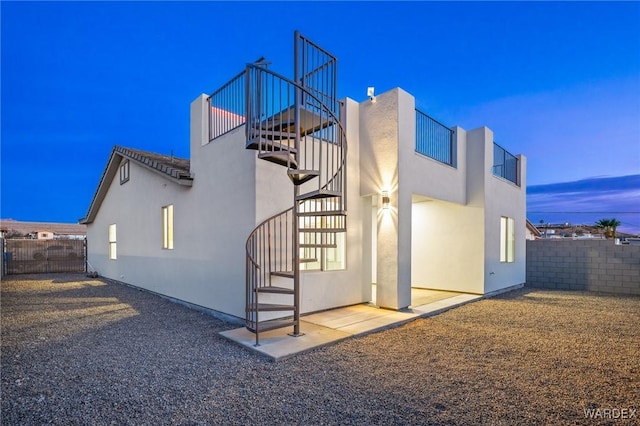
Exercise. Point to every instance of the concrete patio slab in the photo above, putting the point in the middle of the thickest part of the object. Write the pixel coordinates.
(445, 304)
(327, 327)
(279, 345)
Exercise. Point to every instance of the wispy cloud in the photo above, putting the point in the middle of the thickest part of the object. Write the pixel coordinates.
(588, 200)
(591, 126)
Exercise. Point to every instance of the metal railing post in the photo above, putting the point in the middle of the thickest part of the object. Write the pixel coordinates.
(296, 191)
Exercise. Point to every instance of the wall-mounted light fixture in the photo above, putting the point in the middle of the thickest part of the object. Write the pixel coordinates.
(385, 200)
(371, 94)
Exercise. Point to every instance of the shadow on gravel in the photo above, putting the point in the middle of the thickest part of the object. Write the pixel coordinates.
(84, 351)
(59, 278)
(63, 307)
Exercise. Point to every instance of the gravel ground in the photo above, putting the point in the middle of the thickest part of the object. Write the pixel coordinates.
(78, 351)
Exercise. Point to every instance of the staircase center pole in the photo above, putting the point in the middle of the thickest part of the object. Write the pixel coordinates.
(296, 192)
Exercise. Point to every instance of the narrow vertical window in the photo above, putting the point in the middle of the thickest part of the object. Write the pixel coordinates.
(511, 241)
(124, 172)
(113, 251)
(335, 256)
(507, 240)
(167, 227)
(322, 250)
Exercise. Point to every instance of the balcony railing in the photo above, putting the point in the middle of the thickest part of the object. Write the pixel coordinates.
(434, 139)
(227, 107)
(505, 164)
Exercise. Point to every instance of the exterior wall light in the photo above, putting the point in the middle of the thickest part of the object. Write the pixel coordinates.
(371, 94)
(385, 200)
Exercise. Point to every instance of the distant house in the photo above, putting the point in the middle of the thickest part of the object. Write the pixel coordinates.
(295, 202)
(532, 232)
(44, 235)
(565, 231)
(42, 230)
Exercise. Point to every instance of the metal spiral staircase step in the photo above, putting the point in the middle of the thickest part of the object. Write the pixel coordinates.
(282, 158)
(309, 121)
(297, 126)
(319, 245)
(337, 213)
(298, 177)
(324, 230)
(269, 307)
(319, 193)
(265, 144)
(271, 134)
(285, 274)
(272, 325)
(274, 290)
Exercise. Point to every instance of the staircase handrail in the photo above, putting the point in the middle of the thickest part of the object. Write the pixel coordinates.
(264, 222)
(259, 258)
(305, 90)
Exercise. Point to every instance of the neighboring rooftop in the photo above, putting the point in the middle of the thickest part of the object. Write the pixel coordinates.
(60, 229)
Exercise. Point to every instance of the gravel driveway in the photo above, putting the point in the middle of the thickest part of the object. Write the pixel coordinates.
(83, 351)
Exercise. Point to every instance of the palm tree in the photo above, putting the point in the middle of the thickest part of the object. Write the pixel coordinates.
(609, 226)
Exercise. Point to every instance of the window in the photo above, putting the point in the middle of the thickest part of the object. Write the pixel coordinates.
(113, 252)
(322, 251)
(334, 257)
(167, 227)
(507, 240)
(124, 172)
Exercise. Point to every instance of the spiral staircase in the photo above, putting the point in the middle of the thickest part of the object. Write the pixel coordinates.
(297, 125)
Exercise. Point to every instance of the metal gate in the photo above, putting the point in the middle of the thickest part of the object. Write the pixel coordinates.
(44, 256)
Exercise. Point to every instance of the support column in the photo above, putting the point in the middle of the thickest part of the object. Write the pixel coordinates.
(393, 258)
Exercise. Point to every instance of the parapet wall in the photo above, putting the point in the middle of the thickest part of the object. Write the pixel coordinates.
(594, 265)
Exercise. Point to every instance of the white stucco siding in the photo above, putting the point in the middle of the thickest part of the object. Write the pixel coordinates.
(389, 161)
(428, 177)
(379, 133)
(379, 144)
(505, 199)
(274, 190)
(447, 246)
(223, 214)
(324, 290)
(212, 220)
(442, 228)
(499, 198)
(136, 209)
(224, 203)
(478, 164)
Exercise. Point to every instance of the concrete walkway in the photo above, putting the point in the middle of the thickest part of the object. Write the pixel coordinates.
(327, 327)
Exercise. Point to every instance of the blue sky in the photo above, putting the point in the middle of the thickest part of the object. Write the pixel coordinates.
(557, 82)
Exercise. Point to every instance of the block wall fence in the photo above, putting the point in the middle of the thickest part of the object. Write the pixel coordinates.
(593, 265)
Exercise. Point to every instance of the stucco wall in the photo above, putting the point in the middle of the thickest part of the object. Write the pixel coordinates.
(388, 162)
(232, 193)
(461, 211)
(444, 256)
(597, 265)
(497, 197)
(211, 222)
(379, 130)
(324, 290)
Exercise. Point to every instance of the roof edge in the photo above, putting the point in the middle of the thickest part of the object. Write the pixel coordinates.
(172, 174)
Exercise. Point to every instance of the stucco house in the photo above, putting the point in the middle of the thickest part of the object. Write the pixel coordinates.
(532, 232)
(10, 228)
(293, 201)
